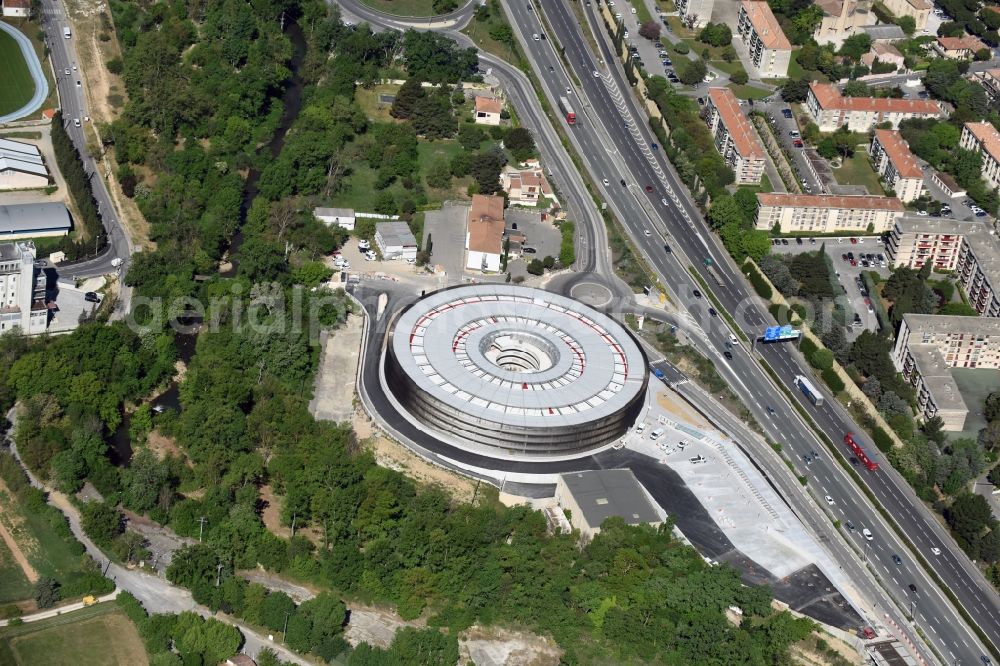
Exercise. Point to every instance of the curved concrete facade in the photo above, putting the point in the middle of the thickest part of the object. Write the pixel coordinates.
(515, 370)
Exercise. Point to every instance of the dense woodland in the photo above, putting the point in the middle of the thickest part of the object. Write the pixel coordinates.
(205, 83)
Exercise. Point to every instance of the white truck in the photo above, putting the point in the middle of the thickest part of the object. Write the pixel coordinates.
(117, 261)
(66, 33)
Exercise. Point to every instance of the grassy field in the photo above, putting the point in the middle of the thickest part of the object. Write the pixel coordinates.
(95, 636)
(18, 86)
(49, 551)
(858, 171)
(14, 586)
(403, 7)
(749, 92)
(479, 32)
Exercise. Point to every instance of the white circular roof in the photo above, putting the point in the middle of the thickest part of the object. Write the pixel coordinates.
(517, 355)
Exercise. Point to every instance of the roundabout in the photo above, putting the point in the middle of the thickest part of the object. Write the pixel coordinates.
(514, 372)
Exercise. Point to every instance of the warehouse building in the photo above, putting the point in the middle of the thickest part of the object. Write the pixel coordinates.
(33, 220)
(395, 241)
(592, 497)
(21, 166)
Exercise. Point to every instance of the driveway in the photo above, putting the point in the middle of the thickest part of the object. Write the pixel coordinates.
(445, 229)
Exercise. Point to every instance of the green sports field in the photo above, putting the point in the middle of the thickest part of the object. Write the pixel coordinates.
(18, 87)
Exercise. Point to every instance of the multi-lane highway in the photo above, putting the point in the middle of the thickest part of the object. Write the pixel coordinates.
(73, 104)
(612, 135)
(610, 112)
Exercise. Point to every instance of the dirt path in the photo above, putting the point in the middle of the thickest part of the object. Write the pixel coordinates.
(13, 547)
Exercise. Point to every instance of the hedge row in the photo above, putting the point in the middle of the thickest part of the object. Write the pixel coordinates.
(760, 285)
(832, 380)
(881, 438)
(807, 347)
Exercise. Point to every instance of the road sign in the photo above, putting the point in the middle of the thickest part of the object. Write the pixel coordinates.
(781, 333)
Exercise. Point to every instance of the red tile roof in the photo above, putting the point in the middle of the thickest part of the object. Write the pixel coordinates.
(487, 105)
(988, 136)
(899, 153)
(829, 97)
(486, 224)
(830, 201)
(960, 43)
(744, 137)
(766, 25)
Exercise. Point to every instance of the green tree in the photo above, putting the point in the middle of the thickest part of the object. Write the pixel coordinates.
(739, 77)
(276, 606)
(822, 359)
(535, 267)
(520, 143)
(439, 175)
(470, 136)
(101, 522)
(46, 593)
(908, 24)
(691, 72)
(795, 90)
(404, 104)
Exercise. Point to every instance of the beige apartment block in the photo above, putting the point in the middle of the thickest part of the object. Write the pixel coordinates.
(914, 241)
(830, 110)
(984, 139)
(824, 214)
(842, 18)
(734, 136)
(920, 10)
(770, 51)
(896, 165)
(929, 346)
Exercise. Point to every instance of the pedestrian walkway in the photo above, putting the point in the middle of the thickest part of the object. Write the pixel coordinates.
(68, 608)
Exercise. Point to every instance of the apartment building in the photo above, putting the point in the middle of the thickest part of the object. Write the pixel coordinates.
(928, 347)
(896, 165)
(820, 213)
(978, 270)
(842, 19)
(770, 51)
(984, 139)
(695, 13)
(920, 10)
(990, 81)
(830, 110)
(22, 290)
(734, 136)
(915, 241)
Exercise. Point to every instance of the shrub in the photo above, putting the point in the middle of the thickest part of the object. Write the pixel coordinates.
(535, 267)
(807, 347)
(739, 77)
(762, 288)
(882, 439)
(682, 48)
(832, 380)
(822, 359)
(548, 261)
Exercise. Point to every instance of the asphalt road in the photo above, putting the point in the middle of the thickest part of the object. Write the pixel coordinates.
(73, 103)
(618, 147)
(691, 235)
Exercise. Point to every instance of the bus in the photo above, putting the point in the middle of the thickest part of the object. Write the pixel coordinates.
(567, 110)
(809, 391)
(859, 451)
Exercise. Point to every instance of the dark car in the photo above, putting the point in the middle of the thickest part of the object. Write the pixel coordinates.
(786, 113)
(529, 250)
(91, 297)
(854, 461)
(713, 312)
(728, 354)
(697, 294)
(622, 181)
(844, 256)
(667, 248)
(798, 241)
(701, 100)
(649, 188)
(784, 241)
(897, 560)
(913, 588)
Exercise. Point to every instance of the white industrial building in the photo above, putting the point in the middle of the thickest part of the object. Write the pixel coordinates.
(21, 166)
(594, 496)
(395, 241)
(22, 290)
(341, 217)
(33, 220)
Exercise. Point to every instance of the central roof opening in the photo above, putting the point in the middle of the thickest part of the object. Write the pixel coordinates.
(519, 351)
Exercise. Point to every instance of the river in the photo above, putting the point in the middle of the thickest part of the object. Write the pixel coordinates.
(120, 445)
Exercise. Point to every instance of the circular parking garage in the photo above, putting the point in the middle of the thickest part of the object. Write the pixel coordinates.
(514, 371)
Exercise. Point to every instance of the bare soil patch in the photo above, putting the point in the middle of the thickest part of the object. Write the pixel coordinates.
(375, 626)
(669, 401)
(271, 516)
(7, 534)
(396, 456)
(504, 647)
(163, 446)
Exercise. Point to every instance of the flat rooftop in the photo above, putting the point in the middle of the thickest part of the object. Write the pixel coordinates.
(744, 137)
(951, 324)
(913, 224)
(830, 201)
(604, 493)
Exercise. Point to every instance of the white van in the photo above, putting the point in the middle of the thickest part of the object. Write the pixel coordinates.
(66, 33)
(656, 434)
(640, 428)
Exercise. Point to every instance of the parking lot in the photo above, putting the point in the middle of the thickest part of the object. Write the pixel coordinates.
(847, 274)
(445, 229)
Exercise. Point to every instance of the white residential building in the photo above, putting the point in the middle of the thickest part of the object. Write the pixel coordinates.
(695, 12)
(842, 19)
(16, 8)
(770, 51)
(484, 237)
(488, 111)
(897, 165)
(830, 110)
(984, 139)
(734, 136)
(929, 346)
(22, 290)
(920, 10)
(824, 214)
